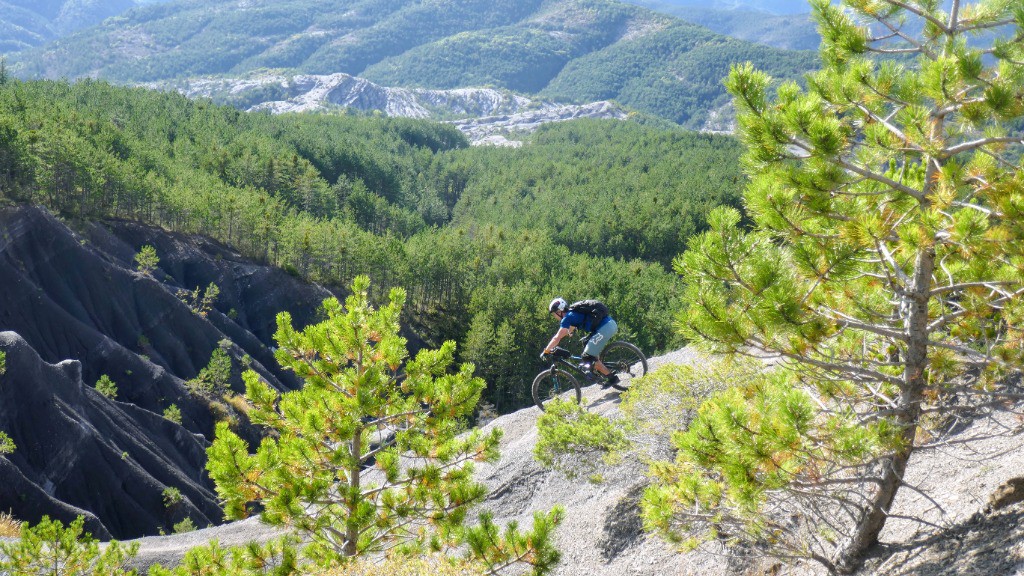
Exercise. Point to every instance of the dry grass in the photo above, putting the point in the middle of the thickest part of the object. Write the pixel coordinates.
(238, 402)
(436, 565)
(10, 527)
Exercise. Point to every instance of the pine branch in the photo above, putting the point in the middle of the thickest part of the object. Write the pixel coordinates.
(945, 319)
(917, 46)
(916, 194)
(972, 357)
(915, 518)
(833, 367)
(388, 418)
(967, 146)
(982, 209)
(895, 50)
(894, 266)
(986, 25)
(917, 11)
(961, 102)
(848, 321)
(992, 285)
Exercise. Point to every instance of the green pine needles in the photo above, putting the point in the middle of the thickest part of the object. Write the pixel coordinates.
(884, 268)
(372, 454)
(51, 548)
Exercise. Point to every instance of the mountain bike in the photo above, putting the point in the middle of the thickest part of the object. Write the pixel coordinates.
(622, 358)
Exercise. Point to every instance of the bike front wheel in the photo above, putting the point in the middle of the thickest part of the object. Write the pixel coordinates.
(626, 361)
(551, 384)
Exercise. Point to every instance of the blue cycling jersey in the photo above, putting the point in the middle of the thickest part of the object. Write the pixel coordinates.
(579, 320)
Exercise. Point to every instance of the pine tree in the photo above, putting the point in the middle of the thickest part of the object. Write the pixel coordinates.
(146, 260)
(885, 269)
(363, 458)
(51, 548)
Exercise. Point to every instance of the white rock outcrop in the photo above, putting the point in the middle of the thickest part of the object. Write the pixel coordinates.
(485, 115)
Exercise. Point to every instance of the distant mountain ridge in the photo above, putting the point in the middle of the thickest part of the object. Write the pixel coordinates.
(791, 28)
(776, 7)
(27, 23)
(570, 51)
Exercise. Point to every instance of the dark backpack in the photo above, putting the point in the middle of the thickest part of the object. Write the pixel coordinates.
(594, 310)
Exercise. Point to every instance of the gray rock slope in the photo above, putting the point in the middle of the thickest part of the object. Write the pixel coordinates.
(602, 532)
(72, 308)
(79, 452)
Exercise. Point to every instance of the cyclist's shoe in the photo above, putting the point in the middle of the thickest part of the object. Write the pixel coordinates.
(610, 379)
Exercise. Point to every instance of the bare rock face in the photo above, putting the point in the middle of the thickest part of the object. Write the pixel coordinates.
(72, 309)
(488, 116)
(78, 450)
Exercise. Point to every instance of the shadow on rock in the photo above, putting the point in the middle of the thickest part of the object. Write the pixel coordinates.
(984, 544)
(623, 526)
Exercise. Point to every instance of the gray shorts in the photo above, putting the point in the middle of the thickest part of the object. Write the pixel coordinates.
(598, 340)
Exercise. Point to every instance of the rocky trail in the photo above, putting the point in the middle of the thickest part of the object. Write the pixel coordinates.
(602, 532)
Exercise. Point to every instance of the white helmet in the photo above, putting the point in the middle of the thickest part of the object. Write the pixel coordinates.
(557, 305)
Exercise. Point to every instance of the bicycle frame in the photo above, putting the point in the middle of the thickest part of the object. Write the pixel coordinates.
(570, 361)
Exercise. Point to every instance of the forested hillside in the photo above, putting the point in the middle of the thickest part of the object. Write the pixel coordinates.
(570, 50)
(605, 205)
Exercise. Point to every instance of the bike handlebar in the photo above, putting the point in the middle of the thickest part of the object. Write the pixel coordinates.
(558, 352)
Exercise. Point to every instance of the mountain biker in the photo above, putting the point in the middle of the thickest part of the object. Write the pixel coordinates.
(600, 335)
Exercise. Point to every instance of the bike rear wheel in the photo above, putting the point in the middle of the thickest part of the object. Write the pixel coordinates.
(626, 361)
(551, 384)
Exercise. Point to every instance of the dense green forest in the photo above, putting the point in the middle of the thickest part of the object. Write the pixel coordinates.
(481, 238)
(568, 50)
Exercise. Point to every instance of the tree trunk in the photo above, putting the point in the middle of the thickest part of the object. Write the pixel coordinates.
(352, 526)
(870, 526)
(865, 535)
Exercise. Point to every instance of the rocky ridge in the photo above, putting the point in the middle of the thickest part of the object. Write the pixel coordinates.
(485, 115)
(73, 309)
(602, 532)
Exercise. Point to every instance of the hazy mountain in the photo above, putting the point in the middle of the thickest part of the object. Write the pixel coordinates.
(785, 29)
(27, 23)
(778, 7)
(576, 51)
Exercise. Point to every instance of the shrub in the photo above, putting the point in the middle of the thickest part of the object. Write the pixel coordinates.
(172, 497)
(6, 444)
(186, 525)
(173, 413)
(275, 558)
(10, 527)
(237, 402)
(214, 379)
(198, 300)
(107, 387)
(434, 564)
(50, 544)
(146, 260)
